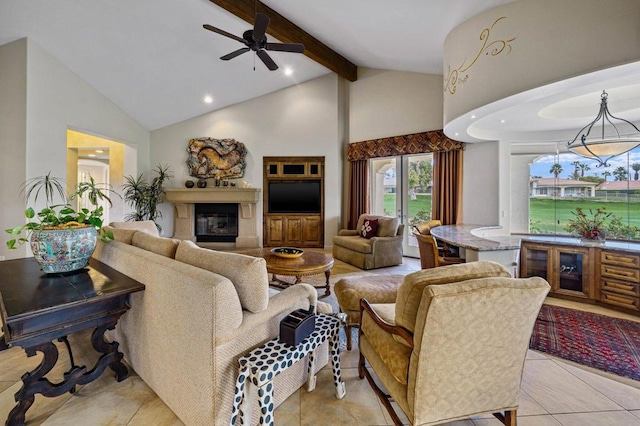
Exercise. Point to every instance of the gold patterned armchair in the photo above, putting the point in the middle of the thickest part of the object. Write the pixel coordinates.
(383, 248)
(454, 343)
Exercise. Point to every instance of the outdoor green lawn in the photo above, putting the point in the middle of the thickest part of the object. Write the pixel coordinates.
(546, 214)
(422, 202)
(549, 215)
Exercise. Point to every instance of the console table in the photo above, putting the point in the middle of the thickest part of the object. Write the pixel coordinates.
(36, 308)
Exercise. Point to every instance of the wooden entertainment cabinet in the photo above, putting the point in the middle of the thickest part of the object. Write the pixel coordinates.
(297, 221)
(607, 274)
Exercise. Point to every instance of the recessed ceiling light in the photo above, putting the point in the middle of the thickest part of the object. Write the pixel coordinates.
(91, 155)
(473, 116)
(502, 121)
(208, 99)
(457, 134)
(288, 71)
(99, 151)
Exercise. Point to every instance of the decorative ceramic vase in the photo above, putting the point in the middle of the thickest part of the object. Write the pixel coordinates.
(189, 184)
(202, 183)
(63, 250)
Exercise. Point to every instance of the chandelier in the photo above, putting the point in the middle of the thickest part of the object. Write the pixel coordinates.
(607, 144)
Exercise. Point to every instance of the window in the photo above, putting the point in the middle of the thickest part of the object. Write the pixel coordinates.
(559, 183)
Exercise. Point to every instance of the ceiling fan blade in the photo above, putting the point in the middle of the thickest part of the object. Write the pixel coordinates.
(267, 60)
(223, 32)
(260, 27)
(286, 47)
(234, 54)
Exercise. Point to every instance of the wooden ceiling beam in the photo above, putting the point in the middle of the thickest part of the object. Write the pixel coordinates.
(288, 32)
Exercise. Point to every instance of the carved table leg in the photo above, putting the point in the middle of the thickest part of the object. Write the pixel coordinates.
(327, 274)
(110, 352)
(33, 382)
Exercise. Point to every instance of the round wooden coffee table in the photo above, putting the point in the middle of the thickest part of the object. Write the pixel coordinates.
(310, 263)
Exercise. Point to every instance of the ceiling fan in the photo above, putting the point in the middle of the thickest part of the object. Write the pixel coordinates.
(256, 40)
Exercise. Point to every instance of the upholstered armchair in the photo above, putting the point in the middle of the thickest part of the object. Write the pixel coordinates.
(383, 248)
(454, 343)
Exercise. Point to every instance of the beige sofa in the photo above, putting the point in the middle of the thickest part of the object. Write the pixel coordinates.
(384, 249)
(201, 310)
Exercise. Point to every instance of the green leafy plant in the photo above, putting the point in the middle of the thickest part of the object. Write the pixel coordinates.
(144, 196)
(590, 226)
(62, 215)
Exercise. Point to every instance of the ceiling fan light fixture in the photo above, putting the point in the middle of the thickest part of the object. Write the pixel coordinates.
(255, 40)
(609, 144)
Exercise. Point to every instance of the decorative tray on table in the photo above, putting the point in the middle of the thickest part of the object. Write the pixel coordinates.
(287, 252)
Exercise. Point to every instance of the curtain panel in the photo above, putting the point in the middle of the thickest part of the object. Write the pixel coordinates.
(358, 191)
(447, 187)
(447, 176)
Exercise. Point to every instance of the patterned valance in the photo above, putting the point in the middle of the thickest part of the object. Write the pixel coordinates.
(418, 143)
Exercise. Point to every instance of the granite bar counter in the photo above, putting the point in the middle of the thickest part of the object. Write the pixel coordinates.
(478, 242)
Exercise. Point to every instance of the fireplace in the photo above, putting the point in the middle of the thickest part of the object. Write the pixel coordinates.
(185, 222)
(216, 222)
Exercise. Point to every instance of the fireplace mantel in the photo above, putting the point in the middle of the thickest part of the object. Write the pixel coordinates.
(185, 199)
(212, 195)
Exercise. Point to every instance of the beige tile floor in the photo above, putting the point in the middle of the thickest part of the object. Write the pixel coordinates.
(554, 392)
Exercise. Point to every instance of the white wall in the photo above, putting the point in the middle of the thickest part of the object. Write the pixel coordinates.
(480, 189)
(392, 103)
(296, 121)
(57, 99)
(13, 136)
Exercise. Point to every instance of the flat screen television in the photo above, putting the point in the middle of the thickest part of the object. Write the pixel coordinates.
(295, 197)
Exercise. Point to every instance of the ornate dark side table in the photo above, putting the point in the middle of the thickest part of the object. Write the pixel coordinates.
(37, 308)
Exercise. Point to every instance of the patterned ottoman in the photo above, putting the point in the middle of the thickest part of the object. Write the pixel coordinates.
(374, 288)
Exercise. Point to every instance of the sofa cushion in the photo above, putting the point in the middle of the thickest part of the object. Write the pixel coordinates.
(387, 226)
(410, 291)
(247, 273)
(147, 226)
(355, 243)
(369, 228)
(122, 235)
(159, 245)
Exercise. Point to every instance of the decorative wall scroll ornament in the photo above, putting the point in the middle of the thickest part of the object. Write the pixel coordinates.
(493, 48)
(216, 158)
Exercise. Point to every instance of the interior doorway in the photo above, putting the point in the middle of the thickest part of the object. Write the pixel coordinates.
(401, 186)
(103, 159)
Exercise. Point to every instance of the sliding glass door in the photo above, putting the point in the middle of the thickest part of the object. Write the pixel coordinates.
(401, 186)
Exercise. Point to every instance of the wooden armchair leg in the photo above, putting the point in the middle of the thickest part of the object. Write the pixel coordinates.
(348, 330)
(509, 418)
(361, 366)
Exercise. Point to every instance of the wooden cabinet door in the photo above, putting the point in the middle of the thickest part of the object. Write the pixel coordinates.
(293, 231)
(312, 231)
(572, 272)
(535, 261)
(275, 231)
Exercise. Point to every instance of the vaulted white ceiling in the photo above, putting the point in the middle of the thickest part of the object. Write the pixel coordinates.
(154, 60)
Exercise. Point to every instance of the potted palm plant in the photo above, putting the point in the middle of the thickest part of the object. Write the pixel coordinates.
(62, 238)
(144, 196)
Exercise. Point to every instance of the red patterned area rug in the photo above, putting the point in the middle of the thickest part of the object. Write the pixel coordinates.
(598, 341)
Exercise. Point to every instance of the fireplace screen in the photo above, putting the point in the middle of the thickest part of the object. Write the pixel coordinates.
(216, 222)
